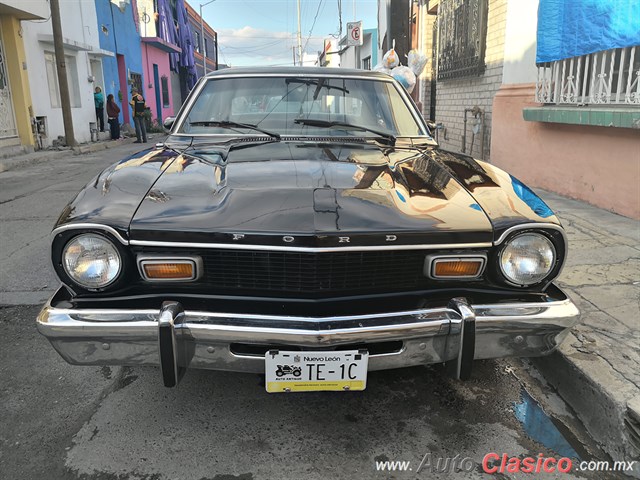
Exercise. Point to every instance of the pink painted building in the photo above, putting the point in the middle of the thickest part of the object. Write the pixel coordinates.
(157, 45)
(157, 73)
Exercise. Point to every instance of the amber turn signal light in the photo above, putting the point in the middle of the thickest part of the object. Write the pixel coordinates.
(458, 267)
(169, 271)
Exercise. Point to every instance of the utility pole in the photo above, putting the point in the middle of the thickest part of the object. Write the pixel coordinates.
(202, 40)
(299, 36)
(61, 68)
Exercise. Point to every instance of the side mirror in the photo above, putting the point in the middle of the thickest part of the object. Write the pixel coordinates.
(168, 123)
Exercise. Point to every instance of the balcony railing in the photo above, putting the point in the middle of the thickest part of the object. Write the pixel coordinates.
(610, 77)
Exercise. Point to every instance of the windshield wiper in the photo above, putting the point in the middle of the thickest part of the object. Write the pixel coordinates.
(391, 139)
(318, 83)
(229, 124)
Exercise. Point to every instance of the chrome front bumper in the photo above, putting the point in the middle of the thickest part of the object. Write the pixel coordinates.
(176, 339)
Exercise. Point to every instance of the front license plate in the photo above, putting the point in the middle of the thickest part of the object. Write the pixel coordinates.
(316, 371)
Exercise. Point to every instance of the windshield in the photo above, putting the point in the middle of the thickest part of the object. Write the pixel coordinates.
(300, 106)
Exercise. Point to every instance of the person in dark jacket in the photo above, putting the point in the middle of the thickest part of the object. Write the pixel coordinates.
(98, 99)
(113, 110)
(139, 107)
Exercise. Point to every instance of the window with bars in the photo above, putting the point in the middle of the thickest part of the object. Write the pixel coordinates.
(165, 91)
(462, 27)
(136, 82)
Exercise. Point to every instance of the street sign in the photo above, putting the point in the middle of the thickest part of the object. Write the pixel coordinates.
(354, 34)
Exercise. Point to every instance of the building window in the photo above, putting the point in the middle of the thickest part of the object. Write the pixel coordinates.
(366, 63)
(165, 91)
(462, 26)
(52, 80)
(196, 42)
(206, 47)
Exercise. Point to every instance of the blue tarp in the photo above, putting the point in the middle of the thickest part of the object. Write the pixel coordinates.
(569, 28)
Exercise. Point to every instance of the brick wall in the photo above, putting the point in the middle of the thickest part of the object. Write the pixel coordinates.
(454, 95)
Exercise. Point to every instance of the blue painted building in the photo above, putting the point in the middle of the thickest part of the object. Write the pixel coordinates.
(118, 30)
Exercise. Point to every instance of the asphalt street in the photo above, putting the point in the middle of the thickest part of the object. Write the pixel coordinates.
(60, 421)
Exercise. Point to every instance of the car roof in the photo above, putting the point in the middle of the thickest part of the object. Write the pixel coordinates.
(310, 71)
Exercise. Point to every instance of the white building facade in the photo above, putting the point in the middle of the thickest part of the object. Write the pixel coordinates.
(83, 58)
(363, 57)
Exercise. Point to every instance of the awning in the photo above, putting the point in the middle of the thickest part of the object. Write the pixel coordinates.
(74, 45)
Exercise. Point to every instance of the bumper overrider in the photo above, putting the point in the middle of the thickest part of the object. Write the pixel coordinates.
(176, 339)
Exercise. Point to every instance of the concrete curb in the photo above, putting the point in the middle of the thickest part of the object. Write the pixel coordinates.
(596, 369)
(24, 160)
(608, 406)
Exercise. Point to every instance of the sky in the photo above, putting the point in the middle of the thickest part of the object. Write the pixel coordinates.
(263, 32)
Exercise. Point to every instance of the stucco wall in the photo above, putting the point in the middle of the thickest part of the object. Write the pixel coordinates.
(426, 47)
(34, 9)
(454, 95)
(118, 34)
(520, 42)
(599, 165)
(152, 56)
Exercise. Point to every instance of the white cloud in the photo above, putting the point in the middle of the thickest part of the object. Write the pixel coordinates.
(256, 46)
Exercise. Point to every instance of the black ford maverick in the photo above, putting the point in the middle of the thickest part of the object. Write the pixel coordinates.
(302, 223)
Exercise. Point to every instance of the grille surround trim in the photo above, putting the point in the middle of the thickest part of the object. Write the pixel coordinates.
(283, 248)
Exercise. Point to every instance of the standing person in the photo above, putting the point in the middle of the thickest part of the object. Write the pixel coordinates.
(98, 99)
(113, 110)
(139, 107)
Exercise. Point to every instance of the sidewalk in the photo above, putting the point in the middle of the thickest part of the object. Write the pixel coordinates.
(597, 368)
(22, 160)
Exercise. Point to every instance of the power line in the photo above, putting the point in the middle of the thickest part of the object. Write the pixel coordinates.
(312, 26)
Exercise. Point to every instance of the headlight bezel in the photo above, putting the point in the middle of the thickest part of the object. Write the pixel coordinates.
(557, 239)
(63, 239)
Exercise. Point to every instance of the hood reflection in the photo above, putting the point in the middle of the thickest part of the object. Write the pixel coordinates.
(303, 187)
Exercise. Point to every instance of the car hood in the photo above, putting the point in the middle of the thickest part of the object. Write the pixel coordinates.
(313, 194)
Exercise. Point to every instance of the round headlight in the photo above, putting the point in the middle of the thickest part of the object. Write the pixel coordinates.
(91, 261)
(527, 259)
